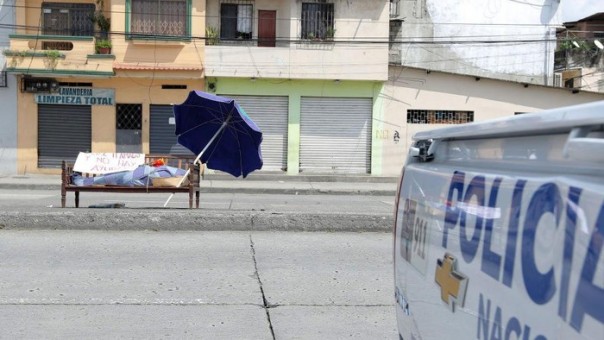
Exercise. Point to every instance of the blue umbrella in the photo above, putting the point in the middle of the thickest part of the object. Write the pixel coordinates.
(219, 131)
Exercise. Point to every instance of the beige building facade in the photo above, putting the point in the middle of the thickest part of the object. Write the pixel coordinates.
(416, 100)
(74, 97)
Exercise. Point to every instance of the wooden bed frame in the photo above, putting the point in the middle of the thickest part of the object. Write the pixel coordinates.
(182, 162)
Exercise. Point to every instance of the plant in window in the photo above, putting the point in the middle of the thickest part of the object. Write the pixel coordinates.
(211, 35)
(101, 20)
(330, 33)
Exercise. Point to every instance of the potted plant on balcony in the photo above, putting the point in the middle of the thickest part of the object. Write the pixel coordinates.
(16, 56)
(103, 46)
(51, 58)
(211, 35)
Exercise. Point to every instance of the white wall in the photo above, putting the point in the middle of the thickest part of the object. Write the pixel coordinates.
(353, 55)
(454, 36)
(8, 95)
(409, 89)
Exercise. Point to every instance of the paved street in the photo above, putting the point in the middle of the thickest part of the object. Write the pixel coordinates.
(243, 266)
(40, 209)
(189, 284)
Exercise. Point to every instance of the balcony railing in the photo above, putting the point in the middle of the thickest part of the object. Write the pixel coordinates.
(47, 54)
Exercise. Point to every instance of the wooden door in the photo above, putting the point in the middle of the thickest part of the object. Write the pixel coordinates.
(267, 28)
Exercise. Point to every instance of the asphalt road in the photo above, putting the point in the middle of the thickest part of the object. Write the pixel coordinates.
(69, 284)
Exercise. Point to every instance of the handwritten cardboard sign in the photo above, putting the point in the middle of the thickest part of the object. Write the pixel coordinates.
(102, 163)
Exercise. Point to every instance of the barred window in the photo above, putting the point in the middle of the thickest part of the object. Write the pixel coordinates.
(395, 8)
(72, 19)
(236, 20)
(439, 117)
(128, 116)
(317, 20)
(159, 17)
(3, 79)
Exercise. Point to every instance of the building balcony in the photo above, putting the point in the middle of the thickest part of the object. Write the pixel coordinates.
(57, 56)
(286, 39)
(305, 59)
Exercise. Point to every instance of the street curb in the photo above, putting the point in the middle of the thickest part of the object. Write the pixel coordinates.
(191, 220)
(305, 178)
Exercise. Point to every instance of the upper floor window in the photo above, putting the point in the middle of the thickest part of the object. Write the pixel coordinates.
(395, 8)
(317, 20)
(236, 20)
(159, 17)
(67, 19)
(439, 117)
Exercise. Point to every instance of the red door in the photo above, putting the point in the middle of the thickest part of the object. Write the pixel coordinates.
(267, 27)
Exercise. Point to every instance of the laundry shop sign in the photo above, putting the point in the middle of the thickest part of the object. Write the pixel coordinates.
(70, 95)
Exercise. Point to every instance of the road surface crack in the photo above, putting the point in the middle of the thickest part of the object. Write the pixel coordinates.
(265, 303)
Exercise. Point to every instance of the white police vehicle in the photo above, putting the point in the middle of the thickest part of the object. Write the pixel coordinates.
(499, 230)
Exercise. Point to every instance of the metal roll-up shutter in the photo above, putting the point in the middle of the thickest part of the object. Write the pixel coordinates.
(63, 132)
(162, 139)
(270, 113)
(335, 135)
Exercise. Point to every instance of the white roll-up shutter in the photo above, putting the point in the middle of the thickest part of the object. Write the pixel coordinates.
(335, 135)
(63, 132)
(270, 113)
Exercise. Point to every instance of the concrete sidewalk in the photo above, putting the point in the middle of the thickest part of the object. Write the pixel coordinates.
(274, 202)
(260, 183)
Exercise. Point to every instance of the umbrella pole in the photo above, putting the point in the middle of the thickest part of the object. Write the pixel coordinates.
(224, 124)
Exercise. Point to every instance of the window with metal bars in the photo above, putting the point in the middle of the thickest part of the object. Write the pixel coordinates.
(72, 19)
(317, 20)
(439, 117)
(3, 79)
(75, 84)
(159, 17)
(395, 8)
(128, 116)
(236, 20)
(57, 45)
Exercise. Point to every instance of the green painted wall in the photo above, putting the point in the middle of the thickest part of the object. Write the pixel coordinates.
(295, 89)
